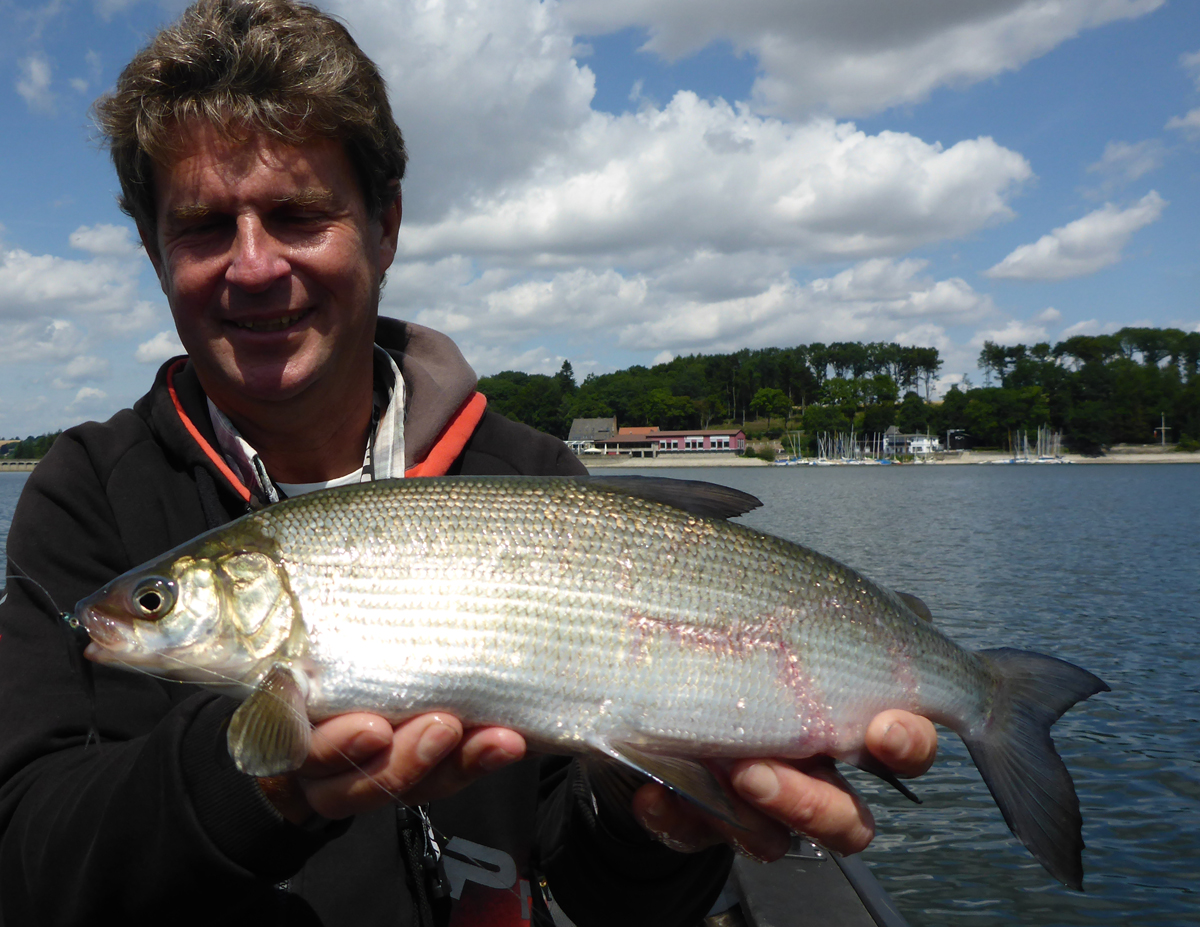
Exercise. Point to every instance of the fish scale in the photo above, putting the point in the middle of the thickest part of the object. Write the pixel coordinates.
(481, 574)
(624, 618)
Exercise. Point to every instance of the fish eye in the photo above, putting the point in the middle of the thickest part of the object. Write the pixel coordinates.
(154, 596)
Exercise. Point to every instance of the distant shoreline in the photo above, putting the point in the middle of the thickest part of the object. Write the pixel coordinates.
(1119, 455)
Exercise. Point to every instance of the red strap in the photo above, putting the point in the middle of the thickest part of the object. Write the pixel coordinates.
(452, 440)
(217, 459)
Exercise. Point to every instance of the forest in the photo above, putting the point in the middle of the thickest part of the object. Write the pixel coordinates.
(1098, 390)
(31, 448)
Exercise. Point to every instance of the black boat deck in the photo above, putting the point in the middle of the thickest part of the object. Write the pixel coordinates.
(810, 887)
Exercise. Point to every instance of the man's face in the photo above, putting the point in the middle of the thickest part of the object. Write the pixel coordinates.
(271, 266)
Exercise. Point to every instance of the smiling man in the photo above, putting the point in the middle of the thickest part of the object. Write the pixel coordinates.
(258, 157)
(272, 267)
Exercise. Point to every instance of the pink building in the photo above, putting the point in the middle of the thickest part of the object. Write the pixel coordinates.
(648, 441)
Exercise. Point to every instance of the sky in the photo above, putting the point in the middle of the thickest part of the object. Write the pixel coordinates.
(617, 182)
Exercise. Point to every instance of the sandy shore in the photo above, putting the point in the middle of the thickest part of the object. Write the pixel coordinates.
(1117, 455)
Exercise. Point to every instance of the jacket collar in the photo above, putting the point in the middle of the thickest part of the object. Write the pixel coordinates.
(442, 413)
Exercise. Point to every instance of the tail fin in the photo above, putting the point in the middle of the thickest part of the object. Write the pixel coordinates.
(1017, 759)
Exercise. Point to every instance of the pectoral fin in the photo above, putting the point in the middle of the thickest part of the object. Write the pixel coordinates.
(270, 733)
(686, 778)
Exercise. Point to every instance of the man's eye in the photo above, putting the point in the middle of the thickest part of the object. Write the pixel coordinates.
(302, 218)
(203, 226)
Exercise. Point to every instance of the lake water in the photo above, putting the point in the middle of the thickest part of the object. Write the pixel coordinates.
(1099, 565)
(11, 485)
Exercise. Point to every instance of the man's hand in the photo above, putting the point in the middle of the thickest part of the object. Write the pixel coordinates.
(421, 759)
(808, 796)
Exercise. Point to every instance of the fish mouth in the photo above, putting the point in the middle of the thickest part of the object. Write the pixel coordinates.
(106, 632)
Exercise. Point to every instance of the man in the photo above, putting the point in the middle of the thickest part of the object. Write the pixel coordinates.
(258, 157)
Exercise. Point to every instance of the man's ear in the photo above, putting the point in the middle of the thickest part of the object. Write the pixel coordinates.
(150, 245)
(389, 222)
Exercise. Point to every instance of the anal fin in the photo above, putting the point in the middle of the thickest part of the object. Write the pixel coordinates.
(867, 762)
(686, 778)
(270, 733)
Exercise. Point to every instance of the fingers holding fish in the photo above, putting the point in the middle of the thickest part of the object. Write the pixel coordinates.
(341, 743)
(355, 767)
(772, 799)
(808, 797)
(480, 751)
(904, 742)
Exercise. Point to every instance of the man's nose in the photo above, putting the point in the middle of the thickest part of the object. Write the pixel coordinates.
(257, 260)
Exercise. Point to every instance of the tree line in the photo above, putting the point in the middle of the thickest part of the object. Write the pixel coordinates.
(1097, 390)
(31, 448)
(703, 391)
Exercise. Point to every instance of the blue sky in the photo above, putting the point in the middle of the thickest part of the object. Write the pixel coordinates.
(621, 181)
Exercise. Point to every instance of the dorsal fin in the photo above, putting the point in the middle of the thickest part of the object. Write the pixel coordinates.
(918, 608)
(708, 500)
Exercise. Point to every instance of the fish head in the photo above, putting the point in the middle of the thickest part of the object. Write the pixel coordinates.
(210, 614)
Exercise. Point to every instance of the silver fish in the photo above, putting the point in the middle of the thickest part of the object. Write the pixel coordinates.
(625, 618)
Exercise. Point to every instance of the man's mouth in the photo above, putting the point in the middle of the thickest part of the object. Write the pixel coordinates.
(269, 325)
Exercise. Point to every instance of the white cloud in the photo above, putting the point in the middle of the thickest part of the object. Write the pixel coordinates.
(106, 9)
(1015, 331)
(1189, 123)
(490, 358)
(88, 399)
(647, 186)
(857, 56)
(1081, 247)
(34, 84)
(878, 299)
(1049, 314)
(106, 240)
(1086, 327)
(1191, 64)
(39, 342)
(82, 369)
(1123, 162)
(508, 155)
(484, 91)
(530, 217)
(161, 347)
(103, 287)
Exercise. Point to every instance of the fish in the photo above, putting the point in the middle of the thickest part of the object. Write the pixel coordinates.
(623, 618)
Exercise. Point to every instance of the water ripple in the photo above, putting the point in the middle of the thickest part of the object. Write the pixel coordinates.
(1097, 565)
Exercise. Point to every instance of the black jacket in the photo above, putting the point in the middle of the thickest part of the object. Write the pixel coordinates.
(152, 822)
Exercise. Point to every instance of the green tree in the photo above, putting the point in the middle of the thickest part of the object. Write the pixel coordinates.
(818, 419)
(33, 448)
(913, 414)
(878, 418)
(770, 402)
(566, 378)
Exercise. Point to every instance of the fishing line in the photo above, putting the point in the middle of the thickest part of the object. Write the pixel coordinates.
(24, 574)
(441, 837)
(77, 634)
(77, 639)
(230, 680)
